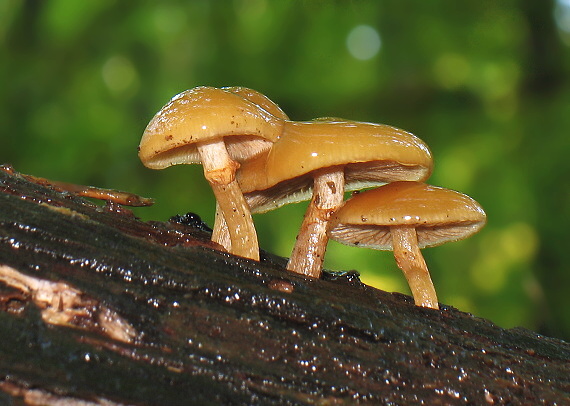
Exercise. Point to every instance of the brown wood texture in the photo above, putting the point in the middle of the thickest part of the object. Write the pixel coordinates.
(98, 307)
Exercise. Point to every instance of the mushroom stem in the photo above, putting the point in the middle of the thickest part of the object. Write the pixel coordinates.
(219, 170)
(220, 233)
(411, 261)
(308, 253)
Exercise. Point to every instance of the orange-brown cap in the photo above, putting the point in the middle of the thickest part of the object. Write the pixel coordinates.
(370, 154)
(258, 98)
(439, 215)
(203, 114)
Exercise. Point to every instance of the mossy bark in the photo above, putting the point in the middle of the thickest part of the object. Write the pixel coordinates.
(211, 328)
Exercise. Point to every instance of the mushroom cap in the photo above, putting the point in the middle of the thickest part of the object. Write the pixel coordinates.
(258, 98)
(205, 114)
(370, 154)
(439, 215)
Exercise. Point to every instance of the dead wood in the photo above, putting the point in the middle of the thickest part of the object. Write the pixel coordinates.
(100, 308)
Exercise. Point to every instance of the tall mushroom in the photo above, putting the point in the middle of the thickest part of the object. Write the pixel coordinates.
(404, 217)
(219, 129)
(320, 160)
(220, 233)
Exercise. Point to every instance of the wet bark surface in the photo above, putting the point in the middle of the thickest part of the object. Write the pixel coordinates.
(158, 315)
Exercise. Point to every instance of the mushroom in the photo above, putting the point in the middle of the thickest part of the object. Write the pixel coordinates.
(220, 232)
(404, 217)
(319, 160)
(219, 129)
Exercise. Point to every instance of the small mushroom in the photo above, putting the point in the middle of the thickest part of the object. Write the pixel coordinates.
(219, 129)
(404, 217)
(320, 160)
(220, 233)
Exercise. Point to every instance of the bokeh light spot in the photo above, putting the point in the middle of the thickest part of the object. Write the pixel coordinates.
(489, 272)
(562, 19)
(519, 242)
(501, 252)
(363, 42)
(119, 75)
(451, 71)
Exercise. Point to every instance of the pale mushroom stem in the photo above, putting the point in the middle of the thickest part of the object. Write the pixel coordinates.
(219, 170)
(308, 253)
(411, 261)
(220, 233)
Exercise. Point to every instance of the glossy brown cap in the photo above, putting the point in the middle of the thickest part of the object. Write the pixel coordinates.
(202, 114)
(439, 215)
(369, 154)
(258, 98)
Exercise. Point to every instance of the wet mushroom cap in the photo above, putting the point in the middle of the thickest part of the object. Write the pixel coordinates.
(217, 128)
(439, 215)
(204, 114)
(258, 98)
(369, 154)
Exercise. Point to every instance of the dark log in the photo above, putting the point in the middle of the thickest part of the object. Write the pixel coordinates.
(99, 307)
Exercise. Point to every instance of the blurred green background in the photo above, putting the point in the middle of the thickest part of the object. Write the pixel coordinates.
(484, 83)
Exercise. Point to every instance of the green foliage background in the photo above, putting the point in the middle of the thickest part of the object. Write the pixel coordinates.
(484, 83)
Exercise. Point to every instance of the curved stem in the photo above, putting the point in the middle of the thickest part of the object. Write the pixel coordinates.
(220, 233)
(411, 261)
(219, 170)
(308, 253)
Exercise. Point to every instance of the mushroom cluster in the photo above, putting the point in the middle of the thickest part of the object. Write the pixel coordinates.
(404, 217)
(256, 159)
(219, 128)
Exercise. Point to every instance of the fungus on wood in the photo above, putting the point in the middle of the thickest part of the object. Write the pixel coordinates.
(217, 128)
(221, 233)
(320, 160)
(202, 326)
(404, 217)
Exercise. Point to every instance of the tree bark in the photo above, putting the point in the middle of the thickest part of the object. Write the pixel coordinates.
(98, 307)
